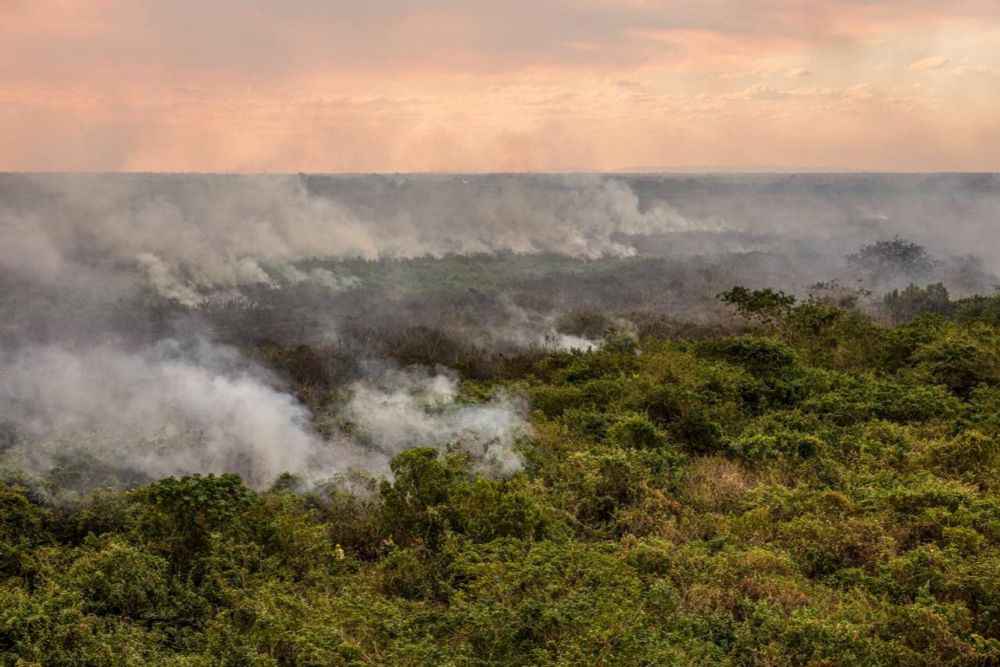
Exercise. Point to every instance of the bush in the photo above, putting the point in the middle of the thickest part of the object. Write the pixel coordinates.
(959, 363)
(913, 301)
(635, 431)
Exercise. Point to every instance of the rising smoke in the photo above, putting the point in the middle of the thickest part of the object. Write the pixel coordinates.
(175, 409)
(131, 305)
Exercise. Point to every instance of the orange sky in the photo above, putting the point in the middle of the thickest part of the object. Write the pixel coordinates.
(548, 85)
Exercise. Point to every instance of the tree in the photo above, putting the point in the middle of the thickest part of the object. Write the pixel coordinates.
(904, 305)
(884, 260)
(764, 305)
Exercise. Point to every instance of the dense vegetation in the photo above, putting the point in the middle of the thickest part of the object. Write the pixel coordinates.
(820, 490)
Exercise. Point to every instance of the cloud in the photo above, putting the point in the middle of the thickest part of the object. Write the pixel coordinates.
(759, 92)
(403, 85)
(968, 68)
(762, 92)
(264, 42)
(929, 63)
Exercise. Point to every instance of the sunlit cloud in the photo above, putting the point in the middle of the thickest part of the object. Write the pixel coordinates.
(547, 85)
(929, 63)
(968, 68)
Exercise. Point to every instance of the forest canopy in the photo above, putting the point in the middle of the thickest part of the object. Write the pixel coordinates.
(811, 487)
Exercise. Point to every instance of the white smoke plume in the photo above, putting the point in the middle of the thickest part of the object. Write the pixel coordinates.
(190, 233)
(171, 410)
(395, 410)
(74, 248)
(165, 283)
(527, 329)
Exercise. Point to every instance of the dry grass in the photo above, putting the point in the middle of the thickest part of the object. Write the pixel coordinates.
(715, 483)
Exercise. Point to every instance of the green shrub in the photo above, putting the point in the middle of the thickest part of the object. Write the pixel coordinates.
(634, 431)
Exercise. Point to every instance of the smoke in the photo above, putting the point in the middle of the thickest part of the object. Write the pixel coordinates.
(166, 284)
(174, 409)
(522, 329)
(394, 409)
(188, 234)
(318, 276)
(191, 233)
(130, 304)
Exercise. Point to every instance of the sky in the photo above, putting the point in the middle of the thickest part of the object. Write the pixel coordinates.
(517, 85)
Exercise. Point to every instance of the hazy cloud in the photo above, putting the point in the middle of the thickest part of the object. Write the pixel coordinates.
(929, 63)
(405, 85)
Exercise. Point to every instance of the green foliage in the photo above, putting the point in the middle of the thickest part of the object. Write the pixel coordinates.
(760, 304)
(760, 356)
(958, 362)
(978, 307)
(636, 431)
(820, 491)
(180, 515)
(884, 260)
(416, 502)
(117, 578)
(22, 530)
(904, 305)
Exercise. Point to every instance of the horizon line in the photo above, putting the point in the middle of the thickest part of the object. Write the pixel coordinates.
(691, 171)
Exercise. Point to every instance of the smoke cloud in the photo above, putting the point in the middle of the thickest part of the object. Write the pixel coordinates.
(131, 305)
(175, 409)
(195, 232)
(393, 410)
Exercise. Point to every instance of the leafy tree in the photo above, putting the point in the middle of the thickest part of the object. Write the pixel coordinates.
(180, 515)
(762, 305)
(884, 260)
